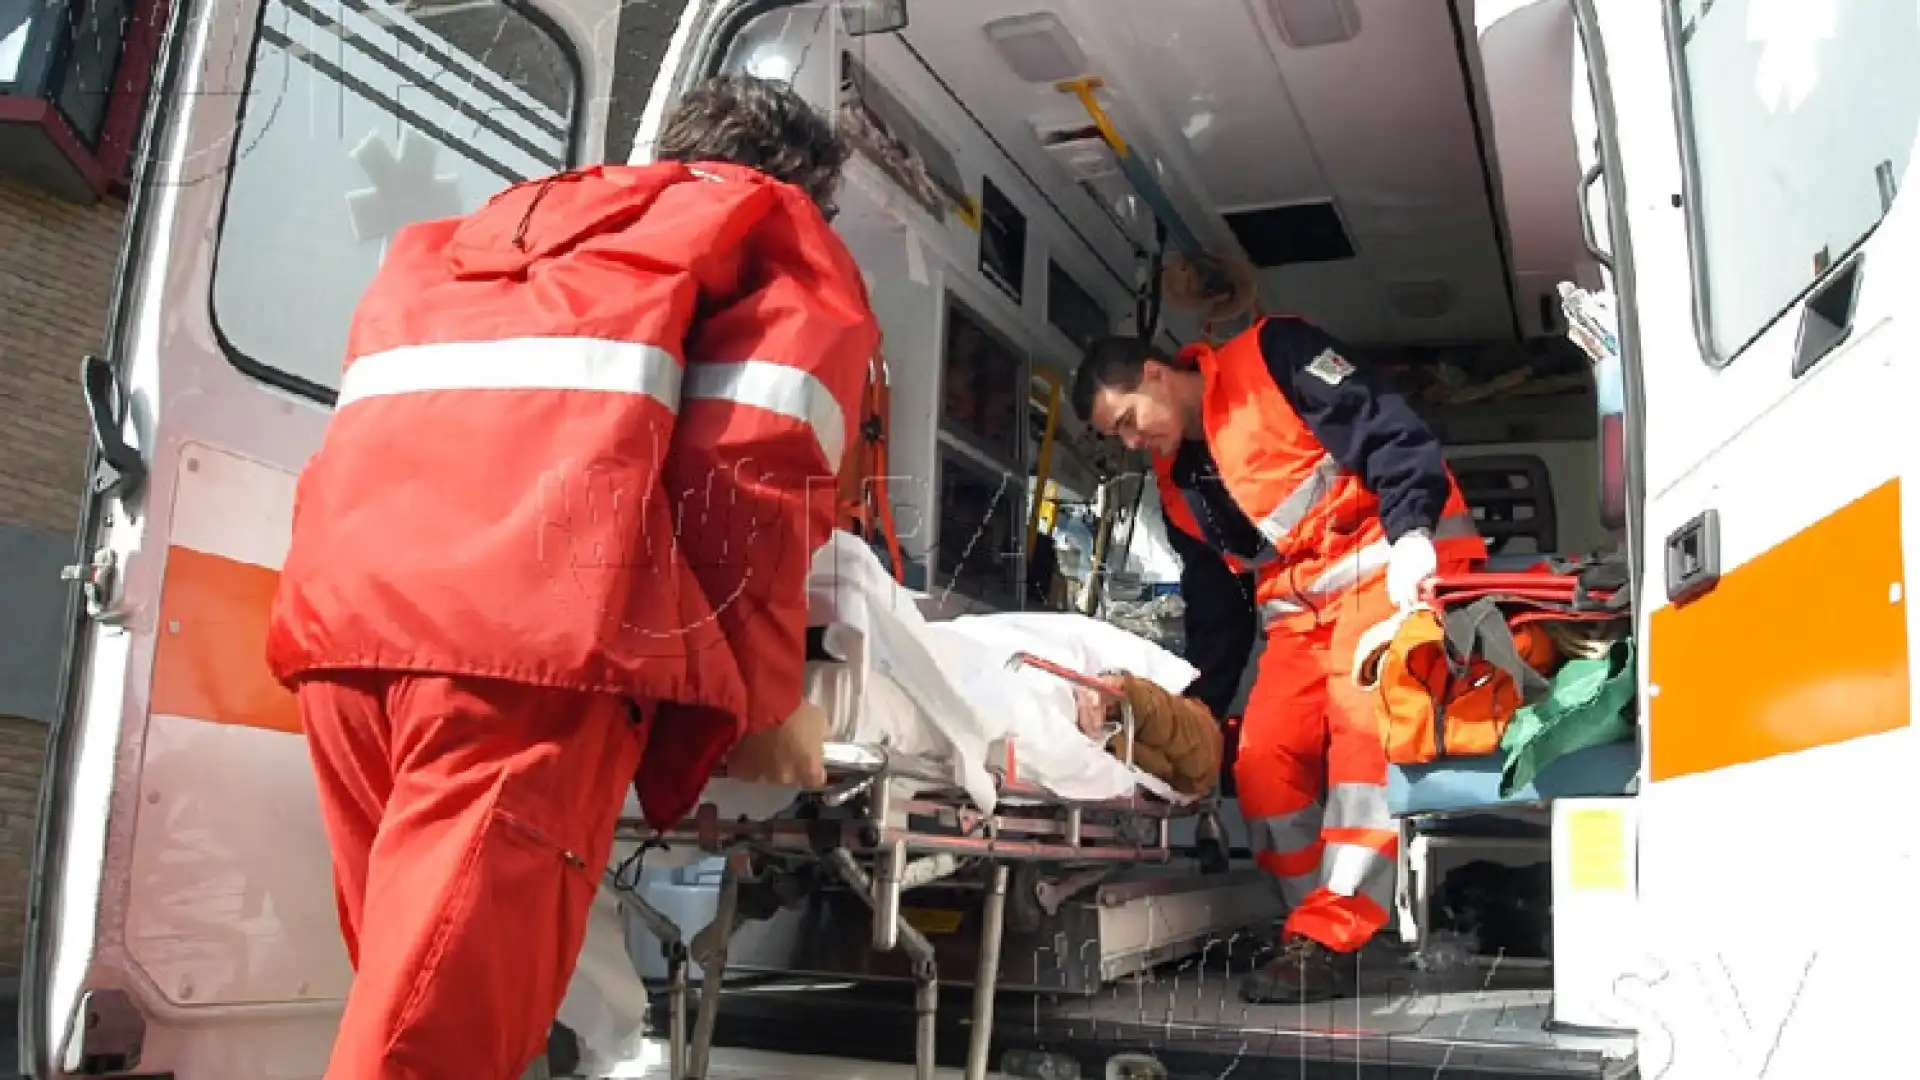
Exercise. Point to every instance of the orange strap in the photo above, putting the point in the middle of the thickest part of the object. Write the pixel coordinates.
(864, 498)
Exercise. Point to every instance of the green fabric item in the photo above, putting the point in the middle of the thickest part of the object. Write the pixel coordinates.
(1589, 703)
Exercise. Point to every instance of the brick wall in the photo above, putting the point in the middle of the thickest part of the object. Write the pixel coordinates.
(56, 270)
(57, 262)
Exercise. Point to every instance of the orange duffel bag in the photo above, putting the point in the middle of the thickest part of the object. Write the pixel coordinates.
(1447, 687)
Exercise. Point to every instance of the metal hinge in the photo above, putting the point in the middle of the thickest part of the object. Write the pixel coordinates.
(99, 580)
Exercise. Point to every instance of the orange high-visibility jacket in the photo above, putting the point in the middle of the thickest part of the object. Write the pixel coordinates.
(587, 437)
(1318, 522)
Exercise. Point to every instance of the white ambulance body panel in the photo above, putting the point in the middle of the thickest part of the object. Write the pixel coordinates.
(1752, 157)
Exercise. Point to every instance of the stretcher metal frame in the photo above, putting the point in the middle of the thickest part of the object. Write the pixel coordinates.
(878, 854)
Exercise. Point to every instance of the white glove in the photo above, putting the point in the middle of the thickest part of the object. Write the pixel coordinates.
(1410, 562)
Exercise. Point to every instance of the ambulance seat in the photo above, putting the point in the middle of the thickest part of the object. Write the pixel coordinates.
(1474, 783)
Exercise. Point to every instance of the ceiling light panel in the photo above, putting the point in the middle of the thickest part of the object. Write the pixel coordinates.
(1037, 47)
(1309, 24)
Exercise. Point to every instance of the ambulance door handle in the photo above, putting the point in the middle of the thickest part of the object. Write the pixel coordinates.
(1693, 558)
(1826, 319)
(1600, 255)
(120, 471)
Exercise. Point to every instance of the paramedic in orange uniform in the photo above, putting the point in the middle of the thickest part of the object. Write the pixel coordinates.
(1305, 498)
(555, 543)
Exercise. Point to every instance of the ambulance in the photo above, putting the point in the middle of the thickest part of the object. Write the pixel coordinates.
(1420, 177)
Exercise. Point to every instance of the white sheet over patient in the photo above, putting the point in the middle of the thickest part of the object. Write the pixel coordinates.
(943, 691)
(945, 686)
(940, 690)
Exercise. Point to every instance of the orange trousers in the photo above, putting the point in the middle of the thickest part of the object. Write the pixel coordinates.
(1312, 776)
(470, 821)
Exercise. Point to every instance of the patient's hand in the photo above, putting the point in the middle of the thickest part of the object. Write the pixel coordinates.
(791, 753)
(1091, 708)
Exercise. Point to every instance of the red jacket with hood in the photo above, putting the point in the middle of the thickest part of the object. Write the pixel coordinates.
(587, 437)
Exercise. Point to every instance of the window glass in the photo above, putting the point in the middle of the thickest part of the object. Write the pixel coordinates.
(362, 117)
(1073, 311)
(83, 83)
(1802, 115)
(16, 23)
(983, 384)
(983, 524)
(1003, 241)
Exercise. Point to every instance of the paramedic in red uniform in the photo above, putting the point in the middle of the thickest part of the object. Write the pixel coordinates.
(1305, 498)
(554, 544)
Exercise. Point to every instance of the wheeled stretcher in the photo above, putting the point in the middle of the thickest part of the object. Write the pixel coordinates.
(891, 822)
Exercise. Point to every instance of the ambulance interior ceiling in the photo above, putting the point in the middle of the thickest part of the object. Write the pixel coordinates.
(1341, 145)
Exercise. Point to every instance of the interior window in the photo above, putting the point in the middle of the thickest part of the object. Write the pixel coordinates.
(1003, 241)
(361, 117)
(982, 529)
(981, 385)
(1802, 116)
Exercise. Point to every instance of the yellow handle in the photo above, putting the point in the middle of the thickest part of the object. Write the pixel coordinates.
(1043, 463)
(1083, 89)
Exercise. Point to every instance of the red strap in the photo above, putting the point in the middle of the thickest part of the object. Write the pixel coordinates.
(1530, 595)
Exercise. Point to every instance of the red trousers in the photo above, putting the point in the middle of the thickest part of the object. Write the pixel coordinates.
(470, 822)
(1312, 777)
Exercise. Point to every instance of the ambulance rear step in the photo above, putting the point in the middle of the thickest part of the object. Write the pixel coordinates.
(1188, 1020)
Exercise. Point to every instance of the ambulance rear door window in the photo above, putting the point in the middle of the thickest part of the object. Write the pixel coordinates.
(361, 117)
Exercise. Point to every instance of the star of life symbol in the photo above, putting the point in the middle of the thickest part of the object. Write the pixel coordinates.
(405, 187)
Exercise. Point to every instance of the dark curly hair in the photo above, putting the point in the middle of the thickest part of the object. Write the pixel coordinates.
(760, 124)
(1111, 363)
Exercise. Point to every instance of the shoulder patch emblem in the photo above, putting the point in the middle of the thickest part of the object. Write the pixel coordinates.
(1330, 367)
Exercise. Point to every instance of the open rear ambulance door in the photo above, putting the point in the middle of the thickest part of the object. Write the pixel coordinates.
(1760, 163)
(183, 921)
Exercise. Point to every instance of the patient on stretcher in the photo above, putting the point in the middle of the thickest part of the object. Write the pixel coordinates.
(941, 691)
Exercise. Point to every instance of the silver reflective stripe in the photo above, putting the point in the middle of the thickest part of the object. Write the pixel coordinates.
(1358, 806)
(1353, 870)
(1285, 833)
(1339, 577)
(1350, 571)
(776, 388)
(532, 363)
(1296, 506)
(1357, 567)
